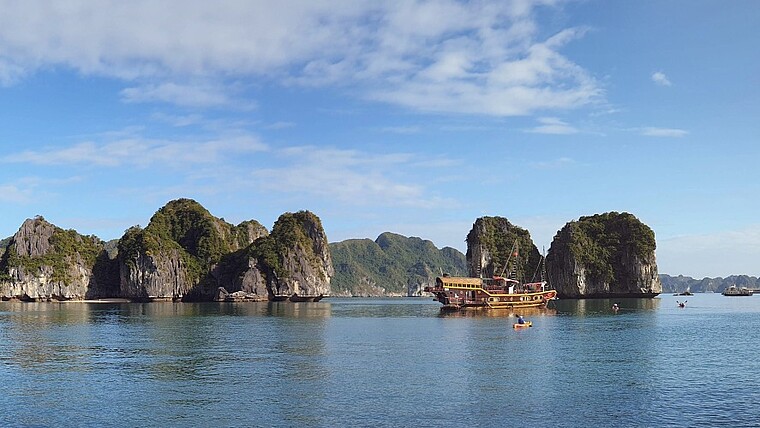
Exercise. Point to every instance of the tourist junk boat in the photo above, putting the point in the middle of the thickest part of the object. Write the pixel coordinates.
(736, 291)
(497, 292)
(489, 293)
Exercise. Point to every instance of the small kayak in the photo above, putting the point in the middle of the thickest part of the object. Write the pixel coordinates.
(527, 324)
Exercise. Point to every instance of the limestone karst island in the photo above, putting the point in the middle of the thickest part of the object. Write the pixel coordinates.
(187, 254)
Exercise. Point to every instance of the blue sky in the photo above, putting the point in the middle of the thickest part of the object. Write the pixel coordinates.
(415, 117)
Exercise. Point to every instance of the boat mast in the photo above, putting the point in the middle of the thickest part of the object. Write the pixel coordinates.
(512, 252)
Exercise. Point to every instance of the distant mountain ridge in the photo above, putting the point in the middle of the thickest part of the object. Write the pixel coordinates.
(391, 265)
(680, 283)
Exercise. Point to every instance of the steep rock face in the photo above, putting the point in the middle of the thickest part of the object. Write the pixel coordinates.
(42, 261)
(187, 253)
(155, 276)
(497, 247)
(604, 255)
(178, 253)
(294, 259)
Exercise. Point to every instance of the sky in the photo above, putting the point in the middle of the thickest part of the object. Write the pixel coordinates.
(413, 117)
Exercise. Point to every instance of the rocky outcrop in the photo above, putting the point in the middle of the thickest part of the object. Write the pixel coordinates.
(294, 259)
(497, 247)
(184, 253)
(45, 262)
(187, 253)
(605, 255)
(150, 276)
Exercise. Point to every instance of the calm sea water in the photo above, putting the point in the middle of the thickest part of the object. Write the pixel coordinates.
(381, 362)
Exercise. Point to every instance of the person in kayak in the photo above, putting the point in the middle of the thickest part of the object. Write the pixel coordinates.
(520, 319)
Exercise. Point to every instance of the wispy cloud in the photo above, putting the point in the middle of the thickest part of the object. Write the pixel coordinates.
(29, 189)
(186, 95)
(663, 132)
(660, 78)
(348, 176)
(279, 125)
(140, 152)
(694, 255)
(13, 194)
(401, 129)
(554, 126)
(554, 164)
(442, 56)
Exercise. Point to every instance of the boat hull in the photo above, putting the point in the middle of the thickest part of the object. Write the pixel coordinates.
(525, 325)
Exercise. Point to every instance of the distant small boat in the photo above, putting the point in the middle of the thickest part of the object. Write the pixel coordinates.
(296, 298)
(736, 291)
(526, 324)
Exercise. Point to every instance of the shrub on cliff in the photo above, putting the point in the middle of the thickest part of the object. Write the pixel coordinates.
(389, 264)
(497, 239)
(597, 242)
(61, 251)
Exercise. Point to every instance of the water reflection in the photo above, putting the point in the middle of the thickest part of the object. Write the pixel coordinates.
(604, 306)
(499, 313)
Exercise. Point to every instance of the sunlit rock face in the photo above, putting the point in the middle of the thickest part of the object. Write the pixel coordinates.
(605, 255)
(45, 262)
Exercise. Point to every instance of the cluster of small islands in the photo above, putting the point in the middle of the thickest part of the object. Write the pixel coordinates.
(187, 254)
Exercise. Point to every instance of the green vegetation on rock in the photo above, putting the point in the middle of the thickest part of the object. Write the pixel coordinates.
(500, 238)
(290, 231)
(65, 245)
(390, 264)
(186, 227)
(599, 243)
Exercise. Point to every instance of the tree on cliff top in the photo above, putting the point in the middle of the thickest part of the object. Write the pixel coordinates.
(600, 243)
(498, 236)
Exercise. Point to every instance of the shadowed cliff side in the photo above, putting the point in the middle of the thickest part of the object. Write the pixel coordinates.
(491, 242)
(604, 255)
(44, 262)
(176, 255)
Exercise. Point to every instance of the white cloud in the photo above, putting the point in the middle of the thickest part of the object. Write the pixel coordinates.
(554, 164)
(347, 176)
(401, 129)
(140, 152)
(663, 132)
(280, 125)
(661, 79)
(445, 55)
(186, 95)
(13, 194)
(553, 125)
(732, 252)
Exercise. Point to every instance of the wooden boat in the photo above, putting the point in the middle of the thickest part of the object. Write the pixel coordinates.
(526, 324)
(736, 291)
(457, 293)
(296, 298)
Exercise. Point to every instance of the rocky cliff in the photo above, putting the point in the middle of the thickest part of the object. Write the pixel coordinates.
(44, 262)
(176, 255)
(184, 253)
(295, 258)
(391, 265)
(604, 255)
(497, 247)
